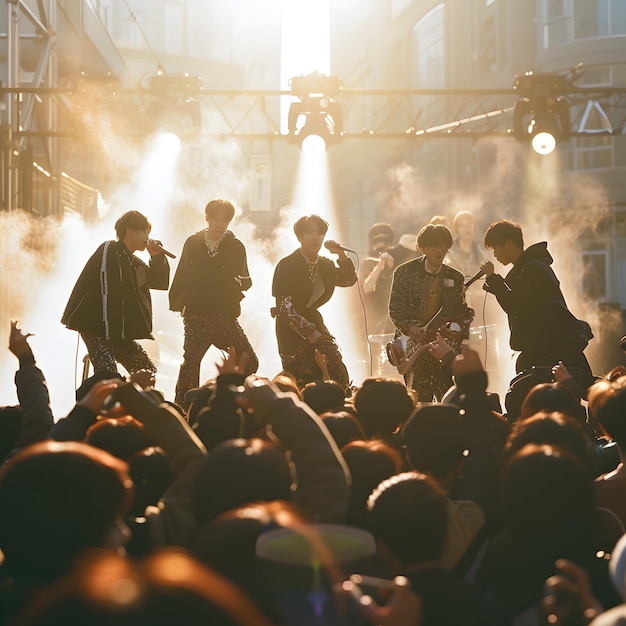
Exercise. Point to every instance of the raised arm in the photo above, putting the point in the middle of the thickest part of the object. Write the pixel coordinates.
(323, 477)
(32, 390)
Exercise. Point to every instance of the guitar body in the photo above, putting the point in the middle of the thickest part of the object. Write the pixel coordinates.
(403, 351)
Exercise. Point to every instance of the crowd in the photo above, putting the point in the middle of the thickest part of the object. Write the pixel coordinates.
(300, 500)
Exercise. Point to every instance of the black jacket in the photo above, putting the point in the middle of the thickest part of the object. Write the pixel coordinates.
(210, 284)
(291, 278)
(531, 296)
(113, 301)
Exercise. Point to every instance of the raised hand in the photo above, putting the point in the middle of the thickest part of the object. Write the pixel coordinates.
(18, 343)
(568, 598)
(231, 364)
(466, 362)
(144, 378)
(560, 373)
(487, 268)
(94, 399)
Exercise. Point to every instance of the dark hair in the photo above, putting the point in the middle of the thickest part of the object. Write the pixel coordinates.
(120, 436)
(382, 405)
(408, 513)
(310, 221)
(57, 498)
(381, 229)
(552, 428)
(370, 462)
(434, 235)
(237, 472)
(327, 395)
(519, 388)
(215, 207)
(434, 440)
(152, 474)
(552, 397)
(499, 232)
(544, 488)
(343, 427)
(131, 219)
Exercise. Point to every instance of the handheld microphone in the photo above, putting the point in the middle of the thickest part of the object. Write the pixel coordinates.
(331, 244)
(162, 249)
(479, 274)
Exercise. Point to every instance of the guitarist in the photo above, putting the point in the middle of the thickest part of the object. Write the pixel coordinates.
(420, 289)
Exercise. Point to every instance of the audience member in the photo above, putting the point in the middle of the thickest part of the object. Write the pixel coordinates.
(370, 462)
(409, 517)
(56, 499)
(167, 587)
(382, 405)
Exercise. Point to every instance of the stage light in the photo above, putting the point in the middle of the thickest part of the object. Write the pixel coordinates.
(543, 142)
(315, 121)
(542, 115)
(543, 121)
(313, 145)
(546, 130)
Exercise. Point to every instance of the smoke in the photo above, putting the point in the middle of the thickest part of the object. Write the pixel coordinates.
(564, 208)
(171, 184)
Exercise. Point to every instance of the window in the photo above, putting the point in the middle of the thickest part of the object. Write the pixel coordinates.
(428, 49)
(557, 21)
(599, 18)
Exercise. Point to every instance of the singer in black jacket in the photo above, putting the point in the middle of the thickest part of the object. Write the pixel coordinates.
(304, 281)
(543, 329)
(110, 305)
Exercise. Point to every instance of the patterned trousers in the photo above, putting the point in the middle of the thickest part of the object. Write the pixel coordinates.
(202, 330)
(105, 354)
(429, 378)
(304, 368)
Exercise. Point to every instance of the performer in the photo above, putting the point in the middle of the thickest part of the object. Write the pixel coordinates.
(420, 289)
(375, 276)
(207, 290)
(110, 305)
(465, 254)
(303, 281)
(543, 329)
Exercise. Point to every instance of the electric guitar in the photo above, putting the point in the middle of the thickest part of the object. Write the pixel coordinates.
(403, 351)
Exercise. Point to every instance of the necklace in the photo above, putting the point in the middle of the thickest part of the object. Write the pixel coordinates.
(208, 243)
(312, 266)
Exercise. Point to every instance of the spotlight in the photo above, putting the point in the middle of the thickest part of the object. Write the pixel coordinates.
(316, 120)
(542, 114)
(544, 131)
(544, 121)
(543, 143)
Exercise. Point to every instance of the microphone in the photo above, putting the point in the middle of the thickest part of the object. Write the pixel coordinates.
(479, 274)
(162, 249)
(331, 244)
